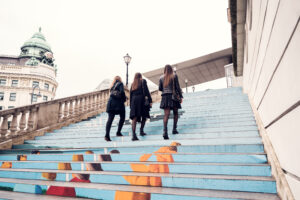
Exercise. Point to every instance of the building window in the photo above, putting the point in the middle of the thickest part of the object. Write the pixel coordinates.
(46, 86)
(53, 89)
(34, 98)
(45, 98)
(14, 83)
(34, 83)
(1, 96)
(9, 107)
(12, 96)
(1, 107)
(2, 81)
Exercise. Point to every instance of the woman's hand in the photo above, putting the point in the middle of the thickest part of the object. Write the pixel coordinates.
(181, 100)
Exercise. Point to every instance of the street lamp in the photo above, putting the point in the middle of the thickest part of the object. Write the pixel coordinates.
(174, 69)
(193, 88)
(186, 82)
(127, 60)
(38, 95)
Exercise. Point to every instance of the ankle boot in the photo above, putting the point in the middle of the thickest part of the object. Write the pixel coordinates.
(134, 137)
(174, 130)
(107, 138)
(119, 134)
(142, 133)
(165, 135)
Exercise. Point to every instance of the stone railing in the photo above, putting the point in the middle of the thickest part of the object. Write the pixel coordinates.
(26, 122)
(156, 96)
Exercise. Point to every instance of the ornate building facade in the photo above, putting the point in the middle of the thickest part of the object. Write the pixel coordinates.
(29, 77)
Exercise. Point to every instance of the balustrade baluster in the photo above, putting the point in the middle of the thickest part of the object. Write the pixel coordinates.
(22, 124)
(66, 109)
(14, 125)
(71, 108)
(31, 119)
(4, 126)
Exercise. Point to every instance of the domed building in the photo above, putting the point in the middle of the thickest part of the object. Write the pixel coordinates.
(29, 77)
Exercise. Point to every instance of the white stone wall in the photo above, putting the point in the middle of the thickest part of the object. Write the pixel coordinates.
(25, 76)
(272, 77)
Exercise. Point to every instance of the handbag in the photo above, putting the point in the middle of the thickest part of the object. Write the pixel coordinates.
(146, 102)
(115, 93)
(175, 95)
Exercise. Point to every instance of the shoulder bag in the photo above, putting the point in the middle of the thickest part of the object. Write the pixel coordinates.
(175, 95)
(115, 93)
(146, 102)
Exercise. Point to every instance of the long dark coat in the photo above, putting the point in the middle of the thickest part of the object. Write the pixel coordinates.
(116, 105)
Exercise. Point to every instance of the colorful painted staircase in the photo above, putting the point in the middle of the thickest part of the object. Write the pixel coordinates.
(217, 155)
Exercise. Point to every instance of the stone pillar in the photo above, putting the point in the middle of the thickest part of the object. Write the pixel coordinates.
(76, 107)
(80, 106)
(71, 108)
(4, 126)
(60, 112)
(14, 125)
(31, 120)
(85, 107)
(22, 124)
(66, 109)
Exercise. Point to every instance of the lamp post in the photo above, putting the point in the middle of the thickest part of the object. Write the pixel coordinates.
(174, 69)
(186, 82)
(38, 95)
(193, 88)
(127, 60)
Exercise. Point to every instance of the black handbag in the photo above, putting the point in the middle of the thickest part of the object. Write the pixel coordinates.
(146, 102)
(175, 95)
(115, 93)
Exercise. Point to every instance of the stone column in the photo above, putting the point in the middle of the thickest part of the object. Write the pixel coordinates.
(4, 126)
(22, 124)
(14, 125)
(71, 109)
(60, 112)
(80, 106)
(31, 120)
(86, 102)
(66, 109)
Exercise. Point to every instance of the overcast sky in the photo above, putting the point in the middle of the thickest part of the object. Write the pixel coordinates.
(90, 37)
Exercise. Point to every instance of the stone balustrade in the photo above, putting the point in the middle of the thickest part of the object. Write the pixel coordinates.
(20, 121)
(26, 122)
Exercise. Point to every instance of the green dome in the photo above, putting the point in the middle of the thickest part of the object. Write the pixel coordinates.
(37, 40)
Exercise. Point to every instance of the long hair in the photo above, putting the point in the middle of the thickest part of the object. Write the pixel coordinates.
(168, 75)
(136, 81)
(114, 81)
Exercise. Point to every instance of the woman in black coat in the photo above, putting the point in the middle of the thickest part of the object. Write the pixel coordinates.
(139, 112)
(115, 106)
(169, 86)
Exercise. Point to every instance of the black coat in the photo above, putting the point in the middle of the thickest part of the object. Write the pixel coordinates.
(116, 105)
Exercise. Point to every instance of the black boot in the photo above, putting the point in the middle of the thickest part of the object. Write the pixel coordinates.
(142, 133)
(107, 138)
(174, 130)
(119, 134)
(134, 137)
(165, 135)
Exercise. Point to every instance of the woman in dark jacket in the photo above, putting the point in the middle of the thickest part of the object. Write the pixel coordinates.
(115, 106)
(139, 112)
(169, 86)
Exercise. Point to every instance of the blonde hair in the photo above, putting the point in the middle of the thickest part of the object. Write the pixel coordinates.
(168, 75)
(136, 81)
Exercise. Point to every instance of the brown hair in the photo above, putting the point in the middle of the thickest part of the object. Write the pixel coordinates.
(168, 75)
(136, 81)
(115, 79)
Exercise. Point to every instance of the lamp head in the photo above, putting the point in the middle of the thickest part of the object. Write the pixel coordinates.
(127, 59)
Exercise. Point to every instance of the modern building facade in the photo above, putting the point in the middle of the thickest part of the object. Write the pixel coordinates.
(266, 45)
(29, 77)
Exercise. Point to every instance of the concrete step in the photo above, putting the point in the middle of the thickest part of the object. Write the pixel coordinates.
(150, 126)
(235, 148)
(247, 169)
(143, 143)
(27, 196)
(108, 191)
(195, 181)
(135, 157)
(99, 136)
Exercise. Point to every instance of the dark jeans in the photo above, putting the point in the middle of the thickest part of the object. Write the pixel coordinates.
(111, 117)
